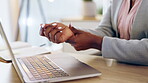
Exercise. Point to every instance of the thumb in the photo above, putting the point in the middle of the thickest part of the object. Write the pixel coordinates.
(74, 30)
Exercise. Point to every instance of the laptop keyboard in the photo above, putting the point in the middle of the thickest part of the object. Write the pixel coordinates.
(40, 67)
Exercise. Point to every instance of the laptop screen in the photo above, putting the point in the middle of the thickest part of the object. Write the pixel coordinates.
(4, 43)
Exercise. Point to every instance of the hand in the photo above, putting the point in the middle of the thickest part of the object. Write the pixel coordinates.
(56, 32)
(84, 40)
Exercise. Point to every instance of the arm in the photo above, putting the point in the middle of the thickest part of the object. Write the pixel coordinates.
(130, 51)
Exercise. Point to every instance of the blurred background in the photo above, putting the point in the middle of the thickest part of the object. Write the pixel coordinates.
(21, 19)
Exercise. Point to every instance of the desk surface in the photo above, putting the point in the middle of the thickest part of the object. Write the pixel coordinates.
(111, 73)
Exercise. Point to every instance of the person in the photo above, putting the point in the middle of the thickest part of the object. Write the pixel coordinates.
(122, 33)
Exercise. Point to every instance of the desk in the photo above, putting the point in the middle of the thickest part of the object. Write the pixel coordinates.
(117, 73)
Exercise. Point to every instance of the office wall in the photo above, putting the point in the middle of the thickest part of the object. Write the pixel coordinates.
(8, 15)
(5, 17)
(14, 13)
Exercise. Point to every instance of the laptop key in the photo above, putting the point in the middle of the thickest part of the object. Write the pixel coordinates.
(41, 67)
(31, 77)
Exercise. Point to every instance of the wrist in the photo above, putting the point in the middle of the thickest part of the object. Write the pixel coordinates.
(98, 42)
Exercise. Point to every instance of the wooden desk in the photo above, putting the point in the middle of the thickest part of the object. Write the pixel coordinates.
(115, 73)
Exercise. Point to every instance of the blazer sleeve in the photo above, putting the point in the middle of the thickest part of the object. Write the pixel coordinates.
(105, 26)
(129, 51)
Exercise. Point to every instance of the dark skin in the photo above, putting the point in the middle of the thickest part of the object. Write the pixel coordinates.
(54, 34)
(79, 39)
(84, 40)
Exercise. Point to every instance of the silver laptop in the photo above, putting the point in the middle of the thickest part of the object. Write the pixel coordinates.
(49, 67)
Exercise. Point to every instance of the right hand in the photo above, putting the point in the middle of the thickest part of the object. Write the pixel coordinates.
(56, 32)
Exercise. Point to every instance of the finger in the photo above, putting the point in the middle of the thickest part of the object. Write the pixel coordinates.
(53, 33)
(58, 38)
(42, 29)
(49, 37)
(42, 25)
(50, 32)
(45, 26)
(54, 24)
(74, 30)
(41, 32)
(49, 29)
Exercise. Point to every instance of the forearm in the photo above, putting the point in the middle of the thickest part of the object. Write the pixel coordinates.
(130, 51)
(97, 42)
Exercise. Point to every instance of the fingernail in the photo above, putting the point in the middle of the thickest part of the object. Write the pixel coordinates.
(54, 24)
(59, 27)
(42, 25)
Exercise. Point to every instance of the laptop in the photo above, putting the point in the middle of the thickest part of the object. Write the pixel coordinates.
(48, 67)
